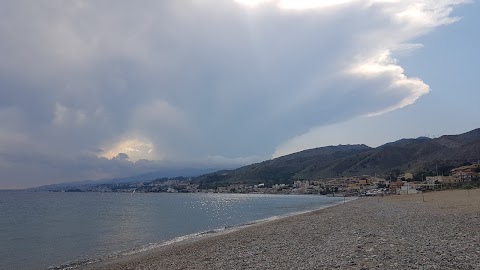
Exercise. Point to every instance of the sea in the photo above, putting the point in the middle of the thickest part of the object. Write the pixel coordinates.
(47, 230)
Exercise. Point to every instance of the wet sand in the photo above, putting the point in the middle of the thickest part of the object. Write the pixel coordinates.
(437, 230)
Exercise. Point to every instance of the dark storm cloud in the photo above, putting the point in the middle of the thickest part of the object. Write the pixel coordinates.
(198, 81)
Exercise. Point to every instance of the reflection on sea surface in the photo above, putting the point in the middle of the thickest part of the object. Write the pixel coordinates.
(38, 230)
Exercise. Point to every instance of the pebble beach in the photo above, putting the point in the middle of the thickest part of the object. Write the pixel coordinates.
(435, 230)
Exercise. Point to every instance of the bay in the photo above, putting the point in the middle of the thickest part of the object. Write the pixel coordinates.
(42, 230)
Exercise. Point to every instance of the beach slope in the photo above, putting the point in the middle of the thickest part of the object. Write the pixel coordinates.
(437, 230)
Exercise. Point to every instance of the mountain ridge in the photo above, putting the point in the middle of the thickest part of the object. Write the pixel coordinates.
(415, 155)
(420, 155)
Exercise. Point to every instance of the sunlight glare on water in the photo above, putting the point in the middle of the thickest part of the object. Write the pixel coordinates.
(38, 230)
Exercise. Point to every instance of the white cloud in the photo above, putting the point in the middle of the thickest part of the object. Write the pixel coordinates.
(178, 80)
(136, 149)
(295, 4)
(409, 19)
(311, 4)
(384, 66)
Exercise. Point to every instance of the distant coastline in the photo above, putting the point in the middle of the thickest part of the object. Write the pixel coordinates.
(406, 165)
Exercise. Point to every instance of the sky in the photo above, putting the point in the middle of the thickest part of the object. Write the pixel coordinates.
(100, 89)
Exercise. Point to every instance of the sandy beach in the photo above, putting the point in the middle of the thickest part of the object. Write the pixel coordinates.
(437, 230)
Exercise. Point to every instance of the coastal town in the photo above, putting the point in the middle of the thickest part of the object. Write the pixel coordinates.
(405, 183)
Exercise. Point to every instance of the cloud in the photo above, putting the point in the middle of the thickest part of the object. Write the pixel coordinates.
(135, 150)
(185, 81)
(122, 156)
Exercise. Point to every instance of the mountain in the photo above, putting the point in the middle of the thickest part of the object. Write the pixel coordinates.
(165, 173)
(284, 169)
(418, 155)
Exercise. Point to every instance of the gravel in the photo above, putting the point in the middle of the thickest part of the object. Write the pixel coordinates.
(437, 230)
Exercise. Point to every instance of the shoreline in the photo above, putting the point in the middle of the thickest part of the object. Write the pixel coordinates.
(123, 255)
(126, 256)
(395, 231)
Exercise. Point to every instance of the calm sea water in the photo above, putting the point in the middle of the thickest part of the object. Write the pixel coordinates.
(41, 230)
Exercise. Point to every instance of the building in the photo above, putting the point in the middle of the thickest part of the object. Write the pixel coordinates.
(467, 173)
(439, 179)
(405, 176)
(407, 188)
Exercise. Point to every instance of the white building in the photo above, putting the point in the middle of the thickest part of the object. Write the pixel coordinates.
(407, 188)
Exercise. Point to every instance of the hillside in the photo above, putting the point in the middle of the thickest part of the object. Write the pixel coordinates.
(412, 155)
